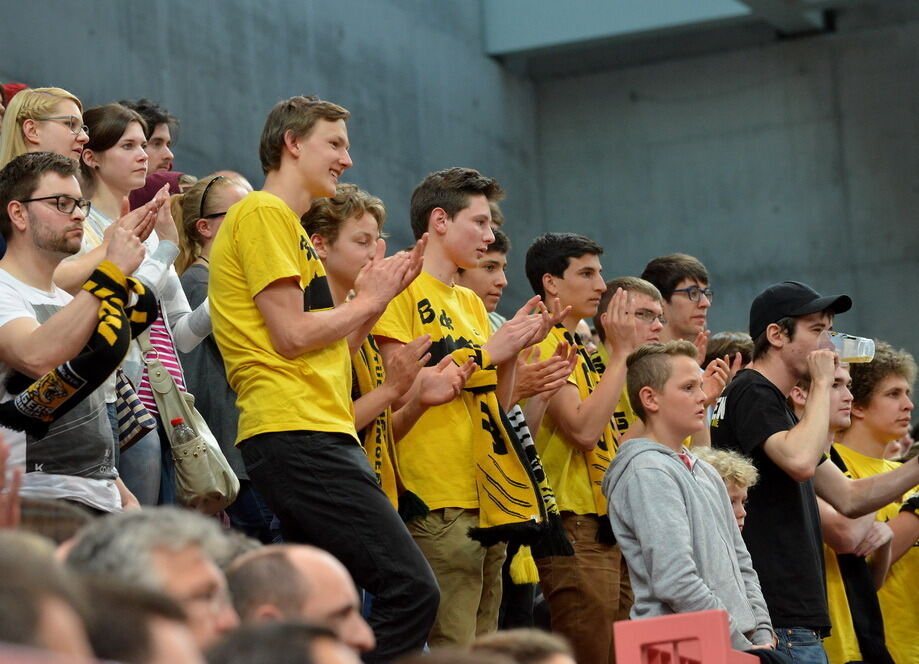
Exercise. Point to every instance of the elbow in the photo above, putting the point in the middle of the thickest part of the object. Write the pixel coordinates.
(800, 470)
(583, 442)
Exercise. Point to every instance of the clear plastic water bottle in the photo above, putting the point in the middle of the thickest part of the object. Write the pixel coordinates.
(182, 433)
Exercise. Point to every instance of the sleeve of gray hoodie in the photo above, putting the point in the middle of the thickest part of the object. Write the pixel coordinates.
(657, 515)
(188, 327)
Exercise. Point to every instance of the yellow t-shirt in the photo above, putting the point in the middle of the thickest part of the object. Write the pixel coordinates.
(565, 466)
(898, 597)
(841, 645)
(260, 242)
(435, 457)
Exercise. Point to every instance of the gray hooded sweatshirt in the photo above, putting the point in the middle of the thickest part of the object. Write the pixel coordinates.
(681, 542)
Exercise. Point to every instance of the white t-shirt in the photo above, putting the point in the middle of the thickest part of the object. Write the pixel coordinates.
(75, 459)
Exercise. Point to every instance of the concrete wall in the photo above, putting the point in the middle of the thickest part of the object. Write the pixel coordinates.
(793, 161)
(423, 95)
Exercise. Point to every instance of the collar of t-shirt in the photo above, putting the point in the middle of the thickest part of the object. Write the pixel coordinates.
(687, 458)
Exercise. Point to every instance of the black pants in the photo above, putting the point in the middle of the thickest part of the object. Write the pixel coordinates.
(323, 491)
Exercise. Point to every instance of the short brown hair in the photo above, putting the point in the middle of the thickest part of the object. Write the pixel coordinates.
(449, 190)
(733, 467)
(650, 365)
(628, 284)
(666, 272)
(524, 646)
(497, 216)
(729, 343)
(298, 115)
(866, 376)
(20, 178)
(326, 216)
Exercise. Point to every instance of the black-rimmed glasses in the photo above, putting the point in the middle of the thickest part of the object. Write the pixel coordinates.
(695, 293)
(65, 204)
(73, 123)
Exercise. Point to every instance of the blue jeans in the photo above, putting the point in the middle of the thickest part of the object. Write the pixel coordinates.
(139, 466)
(802, 645)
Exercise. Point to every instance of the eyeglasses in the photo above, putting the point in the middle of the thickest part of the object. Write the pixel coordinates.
(74, 124)
(201, 214)
(695, 293)
(65, 204)
(649, 316)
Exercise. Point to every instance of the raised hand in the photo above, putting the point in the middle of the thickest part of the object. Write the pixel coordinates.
(124, 250)
(701, 344)
(516, 334)
(403, 365)
(822, 365)
(551, 316)
(442, 383)
(381, 278)
(619, 322)
(165, 225)
(139, 221)
(546, 377)
(716, 376)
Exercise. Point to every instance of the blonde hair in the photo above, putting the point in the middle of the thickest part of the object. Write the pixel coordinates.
(186, 211)
(733, 467)
(28, 104)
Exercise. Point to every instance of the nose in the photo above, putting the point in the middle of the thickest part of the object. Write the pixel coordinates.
(501, 279)
(909, 404)
(704, 302)
(168, 151)
(489, 236)
(83, 137)
(346, 160)
(226, 619)
(657, 325)
(358, 634)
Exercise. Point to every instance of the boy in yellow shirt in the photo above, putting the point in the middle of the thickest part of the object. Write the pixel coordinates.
(288, 357)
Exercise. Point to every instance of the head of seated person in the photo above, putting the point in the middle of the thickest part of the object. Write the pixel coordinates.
(43, 120)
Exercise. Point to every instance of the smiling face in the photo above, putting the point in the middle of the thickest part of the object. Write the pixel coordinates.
(488, 279)
(322, 156)
(159, 149)
(888, 412)
(56, 135)
(685, 318)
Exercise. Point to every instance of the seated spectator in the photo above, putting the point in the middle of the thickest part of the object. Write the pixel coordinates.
(670, 511)
(166, 549)
(138, 626)
(525, 646)
(58, 520)
(43, 327)
(42, 605)
(298, 582)
(160, 127)
(738, 474)
(43, 120)
(281, 643)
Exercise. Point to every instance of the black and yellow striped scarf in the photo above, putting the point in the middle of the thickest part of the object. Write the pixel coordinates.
(40, 402)
(377, 437)
(516, 502)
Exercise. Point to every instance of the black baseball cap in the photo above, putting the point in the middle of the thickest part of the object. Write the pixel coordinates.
(791, 298)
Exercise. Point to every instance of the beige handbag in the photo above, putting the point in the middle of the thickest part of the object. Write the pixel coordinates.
(204, 480)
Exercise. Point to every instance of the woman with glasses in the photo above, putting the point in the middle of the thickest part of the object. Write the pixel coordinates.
(43, 120)
(113, 164)
(203, 208)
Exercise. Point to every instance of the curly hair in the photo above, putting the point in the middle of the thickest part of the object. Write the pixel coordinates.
(887, 362)
(733, 467)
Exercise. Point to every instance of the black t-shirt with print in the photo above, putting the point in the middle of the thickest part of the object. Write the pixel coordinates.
(782, 529)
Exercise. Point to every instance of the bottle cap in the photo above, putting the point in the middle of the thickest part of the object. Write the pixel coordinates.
(176, 421)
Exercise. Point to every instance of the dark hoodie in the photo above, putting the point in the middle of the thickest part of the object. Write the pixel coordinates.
(679, 537)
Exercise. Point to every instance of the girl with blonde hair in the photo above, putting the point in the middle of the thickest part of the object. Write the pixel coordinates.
(43, 120)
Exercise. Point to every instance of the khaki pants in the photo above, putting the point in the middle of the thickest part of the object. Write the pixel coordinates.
(586, 592)
(469, 575)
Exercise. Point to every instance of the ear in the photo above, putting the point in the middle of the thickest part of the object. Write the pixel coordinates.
(292, 143)
(549, 286)
(437, 221)
(798, 396)
(320, 245)
(203, 228)
(30, 131)
(648, 399)
(89, 158)
(858, 412)
(267, 613)
(776, 335)
(17, 214)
